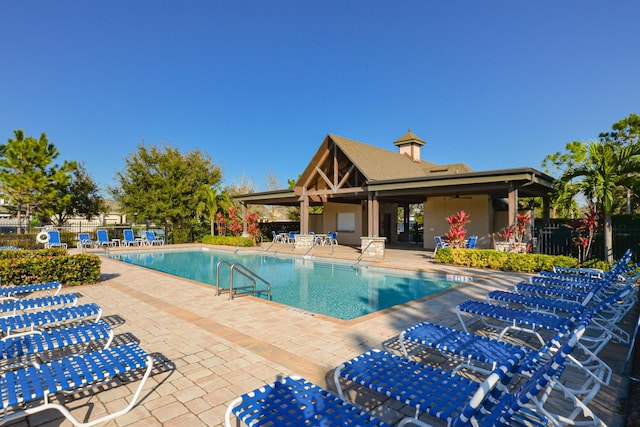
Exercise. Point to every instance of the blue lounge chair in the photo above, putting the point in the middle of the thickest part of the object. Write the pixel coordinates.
(13, 305)
(587, 276)
(477, 350)
(551, 291)
(531, 321)
(471, 243)
(550, 302)
(15, 351)
(28, 322)
(460, 401)
(332, 238)
(54, 240)
(151, 238)
(129, 239)
(103, 238)
(294, 401)
(440, 243)
(19, 290)
(85, 242)
(31, 385)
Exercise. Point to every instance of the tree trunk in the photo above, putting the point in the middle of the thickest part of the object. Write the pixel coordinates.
(608, 238)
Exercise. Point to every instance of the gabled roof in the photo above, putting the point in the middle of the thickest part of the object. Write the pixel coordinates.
(378, 164)
(347, 171)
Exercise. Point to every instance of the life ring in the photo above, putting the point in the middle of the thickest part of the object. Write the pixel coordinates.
(42, 237)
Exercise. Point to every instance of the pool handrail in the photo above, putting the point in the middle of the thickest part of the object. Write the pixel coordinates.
(241, 269)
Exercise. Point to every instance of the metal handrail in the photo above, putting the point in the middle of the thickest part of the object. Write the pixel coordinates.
(309, 250)
(362, 254)
(269, 247)
(218, 274)
(249, 275)
(241, 269)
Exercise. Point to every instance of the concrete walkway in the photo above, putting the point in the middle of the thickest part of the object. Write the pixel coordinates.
(209, 350)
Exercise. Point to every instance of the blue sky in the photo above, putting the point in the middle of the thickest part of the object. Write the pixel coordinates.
(258, 84)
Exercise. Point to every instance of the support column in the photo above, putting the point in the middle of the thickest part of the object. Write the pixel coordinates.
(370, 215)
(244, 220)
(546, 210)
(513, 204)
(376, 217)
(406, 218)
(304, 215)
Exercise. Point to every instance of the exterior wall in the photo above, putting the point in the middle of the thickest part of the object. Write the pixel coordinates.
(500, 223)
(315, 223)
(330, 222)
(437, 209)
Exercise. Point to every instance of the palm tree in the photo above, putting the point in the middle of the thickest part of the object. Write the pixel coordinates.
(211, 201)
(607, 166)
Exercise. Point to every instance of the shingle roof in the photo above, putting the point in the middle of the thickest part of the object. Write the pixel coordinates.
(379, 164)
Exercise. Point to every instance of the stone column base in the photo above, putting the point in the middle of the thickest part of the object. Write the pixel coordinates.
(304, 241)
(373, 246)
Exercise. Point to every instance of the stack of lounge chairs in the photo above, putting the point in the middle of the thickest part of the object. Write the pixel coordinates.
(49, 344)
(545, 350)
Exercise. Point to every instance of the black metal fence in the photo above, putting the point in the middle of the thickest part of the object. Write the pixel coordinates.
(557, 239)
(69, 233)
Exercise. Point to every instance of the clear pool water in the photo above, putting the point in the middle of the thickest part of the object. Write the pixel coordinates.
(333, 289)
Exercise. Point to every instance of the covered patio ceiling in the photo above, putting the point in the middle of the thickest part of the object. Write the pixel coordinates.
(498, 184)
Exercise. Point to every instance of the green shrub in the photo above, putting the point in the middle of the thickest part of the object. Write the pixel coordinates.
(228, 241)
(505, 261)
(46, 265)
(596, 263)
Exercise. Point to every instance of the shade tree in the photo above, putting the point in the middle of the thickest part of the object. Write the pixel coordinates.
(30, 178)
(160, 184)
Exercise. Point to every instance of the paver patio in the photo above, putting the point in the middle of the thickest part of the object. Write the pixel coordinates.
(209, 350)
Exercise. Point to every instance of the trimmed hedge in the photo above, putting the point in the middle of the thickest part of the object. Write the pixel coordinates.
(24, 266)
(228, 241)
(505, 261)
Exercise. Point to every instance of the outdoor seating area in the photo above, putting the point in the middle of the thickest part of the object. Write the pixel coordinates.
(515, 359)
(208, 356)
(50, 346)
(324, 239)
(105, 240)
(441, 242)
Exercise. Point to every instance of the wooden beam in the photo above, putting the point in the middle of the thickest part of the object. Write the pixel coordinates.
(325, 178)
(320, 161)
(348, 190)
(346, 176)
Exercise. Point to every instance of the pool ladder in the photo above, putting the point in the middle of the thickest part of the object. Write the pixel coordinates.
(243, 271)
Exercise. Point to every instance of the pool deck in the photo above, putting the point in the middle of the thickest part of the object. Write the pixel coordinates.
(210, 350)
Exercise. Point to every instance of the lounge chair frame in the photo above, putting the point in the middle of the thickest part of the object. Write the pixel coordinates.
(29, 348)
(26, 323)
(11, 305)
(70, 375)
(293, 401)
(15, 291)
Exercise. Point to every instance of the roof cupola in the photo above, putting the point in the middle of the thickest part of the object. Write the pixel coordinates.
(409, 144)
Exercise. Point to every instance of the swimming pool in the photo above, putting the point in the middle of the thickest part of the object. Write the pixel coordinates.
(331, 288)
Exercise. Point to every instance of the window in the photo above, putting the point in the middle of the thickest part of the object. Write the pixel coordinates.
(346, 222)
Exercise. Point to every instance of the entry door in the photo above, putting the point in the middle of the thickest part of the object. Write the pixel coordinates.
(386, 229)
